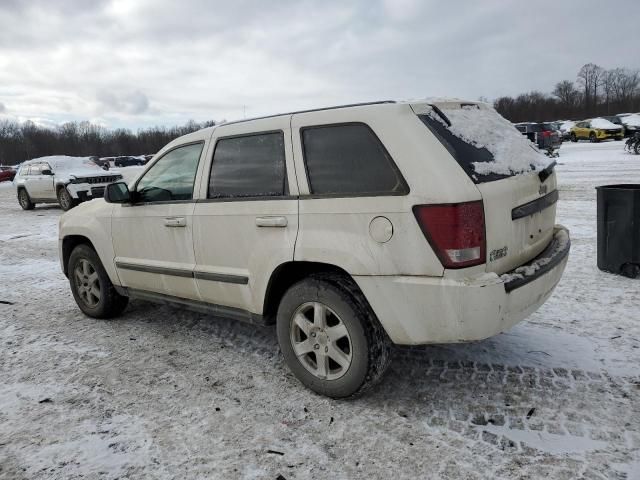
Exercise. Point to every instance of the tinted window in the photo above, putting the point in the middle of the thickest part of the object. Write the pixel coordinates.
(465, 153)
(172, 176)
(249, 166)
(350, 160)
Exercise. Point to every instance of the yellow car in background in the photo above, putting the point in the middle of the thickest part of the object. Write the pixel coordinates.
(595, 130)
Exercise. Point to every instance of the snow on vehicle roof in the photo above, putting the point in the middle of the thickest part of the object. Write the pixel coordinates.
(64, 162)
(483, 127)
(632, 120)
(566, 126)
(603, 123)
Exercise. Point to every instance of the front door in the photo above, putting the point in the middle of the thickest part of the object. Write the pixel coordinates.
(40, 186)
(153, 236)
(246, 223)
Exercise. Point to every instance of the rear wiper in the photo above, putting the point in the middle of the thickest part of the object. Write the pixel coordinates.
(440, 114)
(547, 171)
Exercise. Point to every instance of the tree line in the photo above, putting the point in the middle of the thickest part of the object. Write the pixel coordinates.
(24, 141)
(596, 92)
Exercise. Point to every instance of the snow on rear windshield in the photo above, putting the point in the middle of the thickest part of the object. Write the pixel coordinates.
(512, 152)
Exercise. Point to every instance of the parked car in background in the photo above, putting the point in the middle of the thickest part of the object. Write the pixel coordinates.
(565, 129)
(349, 227)
(65, 180)
(544, 135)
(616, 120)
(631, 124)
(595, 130)
(7, 173)
(128, 161)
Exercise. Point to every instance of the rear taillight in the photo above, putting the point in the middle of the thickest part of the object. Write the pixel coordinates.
(455, 232)
(546, 133)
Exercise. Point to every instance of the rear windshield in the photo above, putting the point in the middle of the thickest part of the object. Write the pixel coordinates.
(484, 144)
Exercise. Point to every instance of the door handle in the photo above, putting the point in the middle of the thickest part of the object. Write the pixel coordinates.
(175, 222)
(271, 221)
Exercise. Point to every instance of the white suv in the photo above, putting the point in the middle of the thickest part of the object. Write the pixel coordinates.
(351, 227)
(61, 179)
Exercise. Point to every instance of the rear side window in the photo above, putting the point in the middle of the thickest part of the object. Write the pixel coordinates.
(249, 166)
(349, 159)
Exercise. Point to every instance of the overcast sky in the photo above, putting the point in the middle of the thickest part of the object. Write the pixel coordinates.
(135, 63)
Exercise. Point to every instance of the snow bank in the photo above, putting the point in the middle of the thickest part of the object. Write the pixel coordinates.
(483, 127)
(603, 123)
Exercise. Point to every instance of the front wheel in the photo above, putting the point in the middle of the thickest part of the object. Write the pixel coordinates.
(91, 287)
(66, 201)
(330, 337)
(593, 138)
(24, 200)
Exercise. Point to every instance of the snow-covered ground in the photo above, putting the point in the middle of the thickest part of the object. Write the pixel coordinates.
(163, 393)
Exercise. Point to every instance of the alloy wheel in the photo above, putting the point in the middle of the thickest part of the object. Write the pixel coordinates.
(87, 283)
(321, 341)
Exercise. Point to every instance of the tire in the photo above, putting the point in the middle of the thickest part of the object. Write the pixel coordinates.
(574, 139)
(636, 148)
(91, 287)
(66, 201)
(593, 138)
(630, 270)
(357, 348)
(24, 200)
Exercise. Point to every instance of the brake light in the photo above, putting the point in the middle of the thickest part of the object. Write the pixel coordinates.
(455, 232)
(546, 133)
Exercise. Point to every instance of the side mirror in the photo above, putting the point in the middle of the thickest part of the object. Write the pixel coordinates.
(117, 192)
(47, 172)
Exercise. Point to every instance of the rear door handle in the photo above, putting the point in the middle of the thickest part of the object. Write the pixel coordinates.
(175, 222)
(271, 221)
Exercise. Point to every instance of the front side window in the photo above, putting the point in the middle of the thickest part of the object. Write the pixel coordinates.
(349, 159)
(249, 166)
(171, 178)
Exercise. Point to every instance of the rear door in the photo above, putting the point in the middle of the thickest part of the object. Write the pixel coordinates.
(246, 220)
(519, 207)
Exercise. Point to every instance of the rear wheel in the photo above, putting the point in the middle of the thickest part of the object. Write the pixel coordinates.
(24, 200)
(330, 337)
(630, 270)
(574, 138)
(91, 287)
(593, 138)
(66, 201)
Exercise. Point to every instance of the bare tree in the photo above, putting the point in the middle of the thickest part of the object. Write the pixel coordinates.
(590, 78)
(566, 93)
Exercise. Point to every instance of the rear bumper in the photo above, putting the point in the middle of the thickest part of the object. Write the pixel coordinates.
(422, 310)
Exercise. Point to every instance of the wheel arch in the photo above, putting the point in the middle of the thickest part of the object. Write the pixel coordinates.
(68, 244)
(288, 273)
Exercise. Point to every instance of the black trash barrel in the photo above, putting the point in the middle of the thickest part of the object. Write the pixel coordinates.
(619, 229)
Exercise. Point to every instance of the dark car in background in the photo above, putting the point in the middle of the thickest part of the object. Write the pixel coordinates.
(7, 174)
(127, 161)
(544, 135)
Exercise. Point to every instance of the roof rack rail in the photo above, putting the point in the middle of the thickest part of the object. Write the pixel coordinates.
(307, 111)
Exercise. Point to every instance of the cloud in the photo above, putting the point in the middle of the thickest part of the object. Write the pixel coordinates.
(150, 62)
(134, 103)
(3, 108)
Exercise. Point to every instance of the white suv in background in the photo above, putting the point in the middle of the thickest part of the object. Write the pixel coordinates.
(61, 179)
(350, 227)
